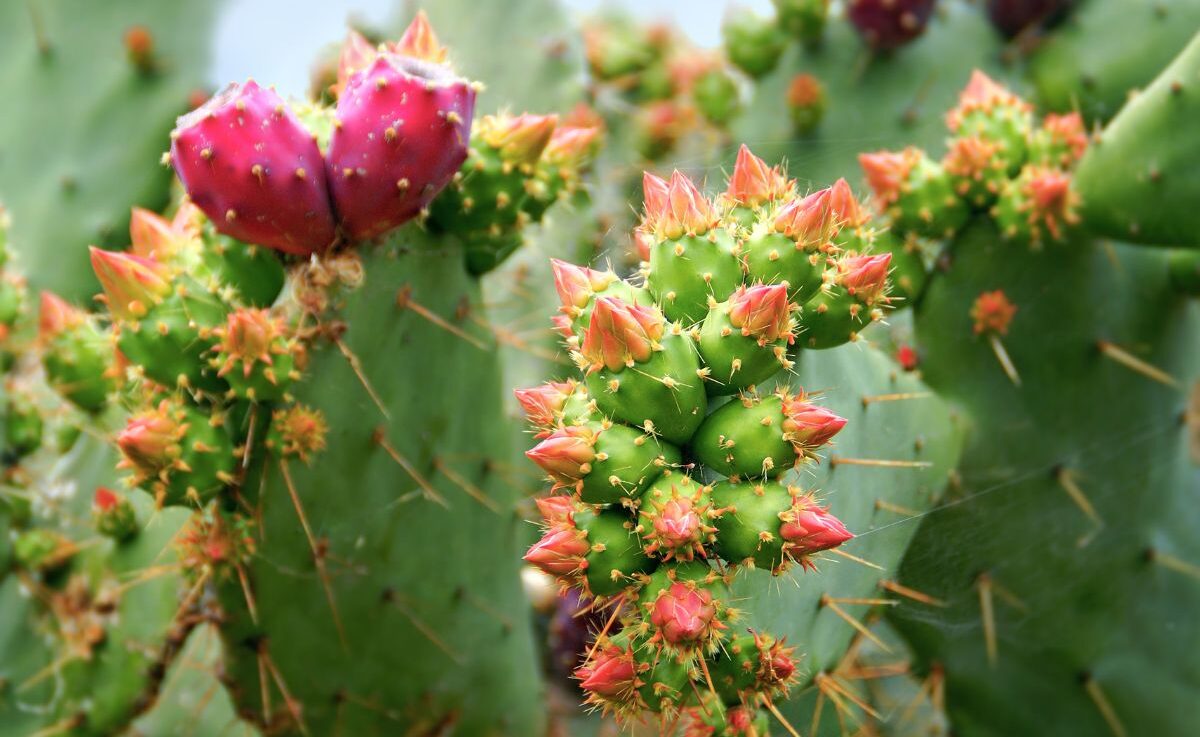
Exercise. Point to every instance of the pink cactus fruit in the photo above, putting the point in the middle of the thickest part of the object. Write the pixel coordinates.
(403, 125)
(808, 528)
(256, 172)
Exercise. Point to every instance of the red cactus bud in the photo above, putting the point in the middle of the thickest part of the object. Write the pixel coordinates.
(677, 523)
(809, 221)
(654, 195)
(420, 41)
(865, 277)
(809, 426)
(566, 454)
(150, 440)
(642, 241)
(611, 674)
(357, 53)
(561, 324)
(560, 552)
(805, 90)
(982, 93)
(992, 313)
(139, 46)
(846, 208)
(298, 431)
(762, 311)
(683, 614)
(132, 284)
(543, 403)
(105, 499)
(571, 147)
(754, 183)
(808, 529)
(970, 157)
(887, 172)
(577, 284)
(556, 510)
(584, 116)
(621, 334)
(684, 210)
(907, 357)
(520, 139)
(739, 721)
(56, 315)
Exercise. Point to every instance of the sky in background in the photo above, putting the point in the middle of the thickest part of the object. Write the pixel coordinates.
(241, 51)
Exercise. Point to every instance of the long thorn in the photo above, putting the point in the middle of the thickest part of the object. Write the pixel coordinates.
(910, 593)
(356, 367)
(461, 482)
(984, 584)
(283, 689)
(1006, 363)
(404, 301)
(775, 712)
(426, 630)
(1133, 363)
(850, 620)
(856, 559)
(845, 691)
(1172, 563)
(318, 559)
(1105, 706)
(836, 460)
(894, 397)
(427, 488)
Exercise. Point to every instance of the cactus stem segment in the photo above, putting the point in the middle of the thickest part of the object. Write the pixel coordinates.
(423, 627)
(317, 553)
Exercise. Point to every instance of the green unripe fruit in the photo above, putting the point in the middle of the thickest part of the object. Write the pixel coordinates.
(11, 298)
(745, 438)
(627, 461)
(803, 20)
(255, 273)
(716, 96)
(171, 340)
(736, 357)
(1183, 265)
(23, 429)
(655, 83)
(753, 43)
(748, 530)
(665, 390)
(42, 550)
(79, 362)
(833, 318)
(616, 557)
(773, 258)
(674, 516)
(686, 272)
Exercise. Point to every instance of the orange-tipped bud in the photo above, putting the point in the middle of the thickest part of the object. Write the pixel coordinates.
(865, 277)
(808, 529)
(753, 183)
(642, 242)
(561, 551)
(847, 210)
(610, 676)
(572, 147)
(520, 139)
(887, 172)
(654, 196)
(983, 93)
(566, 454)
(1067, 131)
(153, 236)
(762, 311)
(809, 221)
(684, 614)
(56, 315)
(542, 404)
(132, 284)
(150, 441)
(808, 426)
(556, 510)
(250, 336)
(420, 41)
(621, 334)
(576, 285)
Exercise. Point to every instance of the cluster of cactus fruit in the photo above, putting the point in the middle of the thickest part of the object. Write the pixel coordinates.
(643, 528)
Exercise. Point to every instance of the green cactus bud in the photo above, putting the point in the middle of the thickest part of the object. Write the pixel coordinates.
(993, 115)
(752, 43)
(77, 355)
(23, 428)
(42, 550)
(744, 341)
(604, 463)
(803, 20)
(806, 100)
(716, 96)
(616, 557)
(114, 515)
(177, 452)
(915, 192)
(674, 516)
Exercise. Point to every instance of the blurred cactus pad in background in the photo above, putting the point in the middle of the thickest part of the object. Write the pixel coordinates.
(812, 367)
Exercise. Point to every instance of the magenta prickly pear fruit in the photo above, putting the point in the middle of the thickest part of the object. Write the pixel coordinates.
(604, 463)
(770, 526)
(114, 514)
(744, 341)
(252, 167)
(806, 103)
(915, 192)
(76, 354)
(1014, 17)
(693, 259)
(753, 664)
(177, 453)
(642, 371)
(255, 355)
(755, 437)
(991, 113)
(753, 185)
(674, 518)
(791, 247)
(889, 24)
(403, 124)
(1037, 206)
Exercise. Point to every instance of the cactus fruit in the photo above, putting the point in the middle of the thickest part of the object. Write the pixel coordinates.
(889, 24)
(804, 20)
(255, 171)
(806, 102)
(753, 43)
(1015, 17)
(646, 542)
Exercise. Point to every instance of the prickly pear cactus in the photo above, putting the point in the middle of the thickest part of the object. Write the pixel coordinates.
(1039, 553)
(100, 85)
(693, 470)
